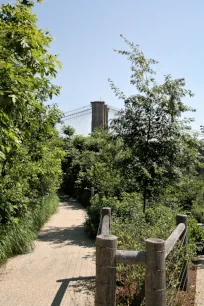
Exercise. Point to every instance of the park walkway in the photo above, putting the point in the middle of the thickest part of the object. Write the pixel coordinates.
(61, 269)
(199, 301)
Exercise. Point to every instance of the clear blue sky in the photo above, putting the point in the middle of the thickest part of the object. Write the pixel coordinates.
(86, 31)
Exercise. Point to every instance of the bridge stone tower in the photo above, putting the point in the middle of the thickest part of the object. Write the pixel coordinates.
(99, 115)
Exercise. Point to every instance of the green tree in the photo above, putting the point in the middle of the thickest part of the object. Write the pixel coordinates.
(30, 147)
(151, 127)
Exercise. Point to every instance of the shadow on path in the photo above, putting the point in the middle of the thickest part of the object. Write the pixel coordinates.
(70, 235)
(200, 263)
(66, 235)
(70, 203)
(82, 283)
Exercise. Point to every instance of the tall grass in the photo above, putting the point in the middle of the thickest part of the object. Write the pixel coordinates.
(18, 238)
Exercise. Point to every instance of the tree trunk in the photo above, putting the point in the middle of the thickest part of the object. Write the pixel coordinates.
(144, 199)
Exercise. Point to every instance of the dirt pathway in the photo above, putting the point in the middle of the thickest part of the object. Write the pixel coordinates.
(199, 301)
(61, 269)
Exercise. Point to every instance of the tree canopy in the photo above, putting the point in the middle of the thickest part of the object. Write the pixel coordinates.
(30, 149)
(152, 127)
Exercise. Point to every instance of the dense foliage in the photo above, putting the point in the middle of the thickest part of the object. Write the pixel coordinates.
(30, 148)
(91, 162)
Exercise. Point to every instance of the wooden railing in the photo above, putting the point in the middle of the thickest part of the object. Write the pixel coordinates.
(153, 259)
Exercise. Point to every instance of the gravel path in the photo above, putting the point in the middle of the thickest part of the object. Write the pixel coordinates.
(199, 301)
(61, 269)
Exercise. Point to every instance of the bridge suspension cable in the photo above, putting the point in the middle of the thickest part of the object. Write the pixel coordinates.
(77, 113)
(68, 118)
(113, 108)
(78, 109)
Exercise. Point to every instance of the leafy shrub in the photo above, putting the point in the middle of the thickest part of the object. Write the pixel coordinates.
(17, 238)
(198, 205)
(185, 194)
(123, 207)
(196, 234)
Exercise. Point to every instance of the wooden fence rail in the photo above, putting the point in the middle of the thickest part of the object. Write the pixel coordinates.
(131, 257)
(153, 259)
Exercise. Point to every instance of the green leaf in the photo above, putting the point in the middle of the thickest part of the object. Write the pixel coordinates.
(13, 98)
(2, 156)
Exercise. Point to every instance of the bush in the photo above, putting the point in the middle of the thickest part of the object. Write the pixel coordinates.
(198, 206)
(185, 194)
(196, 234)
(121, 207)
(17, 238)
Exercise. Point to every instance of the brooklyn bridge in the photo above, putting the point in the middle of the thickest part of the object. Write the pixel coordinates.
(98, 114)
(93, 115)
